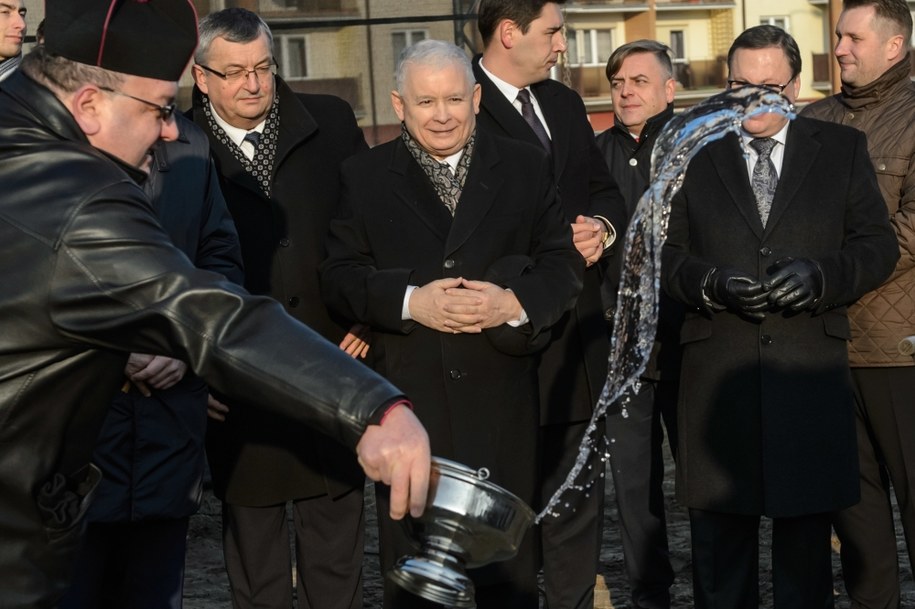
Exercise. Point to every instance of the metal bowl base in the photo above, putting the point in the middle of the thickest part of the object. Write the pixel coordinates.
(431, 578)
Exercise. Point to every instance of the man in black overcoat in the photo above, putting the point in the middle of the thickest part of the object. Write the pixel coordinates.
(282, 191)
(452, 247)
(522, 41)
(767, 250)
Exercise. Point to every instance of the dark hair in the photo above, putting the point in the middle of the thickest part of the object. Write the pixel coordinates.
(235, 25)
(767, 36)
(522, 12)
(661, 52)
(896, 12)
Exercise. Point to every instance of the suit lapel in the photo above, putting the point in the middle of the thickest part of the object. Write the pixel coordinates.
(728, 160)
(413, 188)
(801, 149)
(477, 196)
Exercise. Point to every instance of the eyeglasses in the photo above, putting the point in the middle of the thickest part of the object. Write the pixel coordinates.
(736, 84)
(165, 112)
(239, 74)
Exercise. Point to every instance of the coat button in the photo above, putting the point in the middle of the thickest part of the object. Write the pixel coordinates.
(284, 242)
(766, 251)
(449, 264)
(766, 339)
(294, 301)
(881, 167)
(851, 115)
(633, 162)
(455, 375)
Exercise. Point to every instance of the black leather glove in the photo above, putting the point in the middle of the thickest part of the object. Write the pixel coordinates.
(737, 291)
(794, 283)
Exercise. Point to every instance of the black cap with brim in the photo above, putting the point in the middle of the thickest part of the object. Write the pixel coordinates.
(150, 38)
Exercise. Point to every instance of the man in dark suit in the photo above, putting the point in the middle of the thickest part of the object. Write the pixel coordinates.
(767, 250)
(452, 247)
(522, 40)
(278, 155)
(642, 88)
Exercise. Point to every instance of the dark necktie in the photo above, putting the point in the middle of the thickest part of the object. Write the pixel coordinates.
(253, 137)
(765, 178)
(527, 111)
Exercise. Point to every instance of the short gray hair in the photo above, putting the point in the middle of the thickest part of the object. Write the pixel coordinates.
(63, 75)
(437, 53)
(235, 25)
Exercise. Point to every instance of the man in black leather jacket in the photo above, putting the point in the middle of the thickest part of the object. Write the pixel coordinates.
(89, 275)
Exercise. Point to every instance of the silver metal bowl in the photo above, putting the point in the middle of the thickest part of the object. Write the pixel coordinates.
(468, 522)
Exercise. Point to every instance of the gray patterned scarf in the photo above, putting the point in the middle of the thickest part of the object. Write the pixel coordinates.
(447, 185)
(261, 166)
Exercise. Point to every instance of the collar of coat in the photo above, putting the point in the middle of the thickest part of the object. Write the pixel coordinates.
(296, 122)
(651, 129)
(894, 79)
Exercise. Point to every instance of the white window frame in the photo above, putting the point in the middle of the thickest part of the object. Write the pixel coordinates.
(587, 38)
(411, 37)
(281, 43)
(777, 20)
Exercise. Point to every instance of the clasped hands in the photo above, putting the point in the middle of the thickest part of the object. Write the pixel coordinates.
(456, 305)
(795, 284)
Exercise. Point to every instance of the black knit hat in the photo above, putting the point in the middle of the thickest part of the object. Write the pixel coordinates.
(151, 38)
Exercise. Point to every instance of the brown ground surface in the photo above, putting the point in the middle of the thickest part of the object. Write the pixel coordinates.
(206, 586)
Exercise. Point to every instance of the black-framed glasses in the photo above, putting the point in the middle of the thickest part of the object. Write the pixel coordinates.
(165, 112)
(239, 74)
(736, 84)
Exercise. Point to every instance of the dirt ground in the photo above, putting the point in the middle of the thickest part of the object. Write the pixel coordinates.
(206, 585)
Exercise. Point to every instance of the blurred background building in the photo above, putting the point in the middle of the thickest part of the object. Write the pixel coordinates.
(349, 47)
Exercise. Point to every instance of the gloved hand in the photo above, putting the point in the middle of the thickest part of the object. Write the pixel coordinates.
(737, 291)
(794, 283)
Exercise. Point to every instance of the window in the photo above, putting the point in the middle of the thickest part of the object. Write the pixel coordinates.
(292, 56)
(682, 73)
(589, 47)
(401, 39)
(781, 22)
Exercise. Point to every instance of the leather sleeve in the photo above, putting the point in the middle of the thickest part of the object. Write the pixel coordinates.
(119, 284)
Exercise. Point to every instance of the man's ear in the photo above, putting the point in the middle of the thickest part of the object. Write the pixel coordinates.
(895, 47)
(87, 105)
(200, 79)
(507, 30)
(397, 103)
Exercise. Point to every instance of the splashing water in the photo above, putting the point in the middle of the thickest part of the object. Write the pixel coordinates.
(636, 317)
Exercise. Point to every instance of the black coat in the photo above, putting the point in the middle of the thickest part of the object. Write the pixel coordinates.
(151, 449)
(260, 460)
(475, 393)
(765, 416)
(574, 366)
(629, 161)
